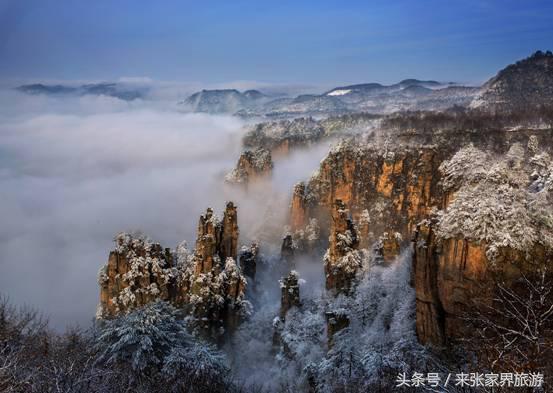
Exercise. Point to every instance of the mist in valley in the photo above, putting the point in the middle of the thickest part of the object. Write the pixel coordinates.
(74, 171)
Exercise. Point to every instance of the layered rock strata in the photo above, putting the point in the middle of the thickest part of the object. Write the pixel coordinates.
(207, 284)
(252, 166)
(495, 226)
(385, 190)
(341, 261)
(476, 217)
(290, 293)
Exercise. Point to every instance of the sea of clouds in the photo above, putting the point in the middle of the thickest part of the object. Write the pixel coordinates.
(74, 171)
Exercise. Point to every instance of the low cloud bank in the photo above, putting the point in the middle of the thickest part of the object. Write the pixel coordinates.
(74, 171)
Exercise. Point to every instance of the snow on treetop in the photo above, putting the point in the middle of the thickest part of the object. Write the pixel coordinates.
(498, 201)
(128, 240)
(467, 165)
(542, 176)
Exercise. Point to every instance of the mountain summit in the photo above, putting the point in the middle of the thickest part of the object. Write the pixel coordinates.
(222, 101)
(525, 84)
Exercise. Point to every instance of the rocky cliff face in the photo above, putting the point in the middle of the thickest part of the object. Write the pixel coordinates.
(280, 136)
(475, 215)
(298, 208)
(341, 261)
(289, 298)
(217, 239)
(137, 272)
(252, 165)
(385, 190)
(449, 273)
(290, 293)
(207, 284)
(495, 225)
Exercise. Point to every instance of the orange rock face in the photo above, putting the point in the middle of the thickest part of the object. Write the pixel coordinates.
(298, 217)
(216, 239)
(206, 243)
(389, 246)
(252, 166)
(395, 190)
(136, 274)
(448, 273)
(228, 237)
(341, 262)
(139, 272)
(389, 192)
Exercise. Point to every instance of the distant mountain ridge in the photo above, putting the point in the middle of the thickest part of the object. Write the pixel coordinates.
(525, 84)
(121, 91)
(222, 100)
(374, 97)
(371, 88)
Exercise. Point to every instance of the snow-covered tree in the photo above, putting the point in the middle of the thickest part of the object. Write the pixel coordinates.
(199, 365)
(154, 339)
(302, 334)
(143, 338)
(504, 201)
(467, 165)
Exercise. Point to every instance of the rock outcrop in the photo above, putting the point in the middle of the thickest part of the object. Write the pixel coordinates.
(495, 226)
(476, 216)
(390, 190)
(248, 260)
(290, 293)
(335, 321)
(280, 136)
(207, 284)
(288, 250)
(217, 285)
(217, 240)
(228, 246)
(297, 207)
(341, 261)
(391, 187)
(252, 165)
(290, 297)
(138, 272)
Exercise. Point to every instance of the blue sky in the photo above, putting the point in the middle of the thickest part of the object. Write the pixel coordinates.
(316, 42)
